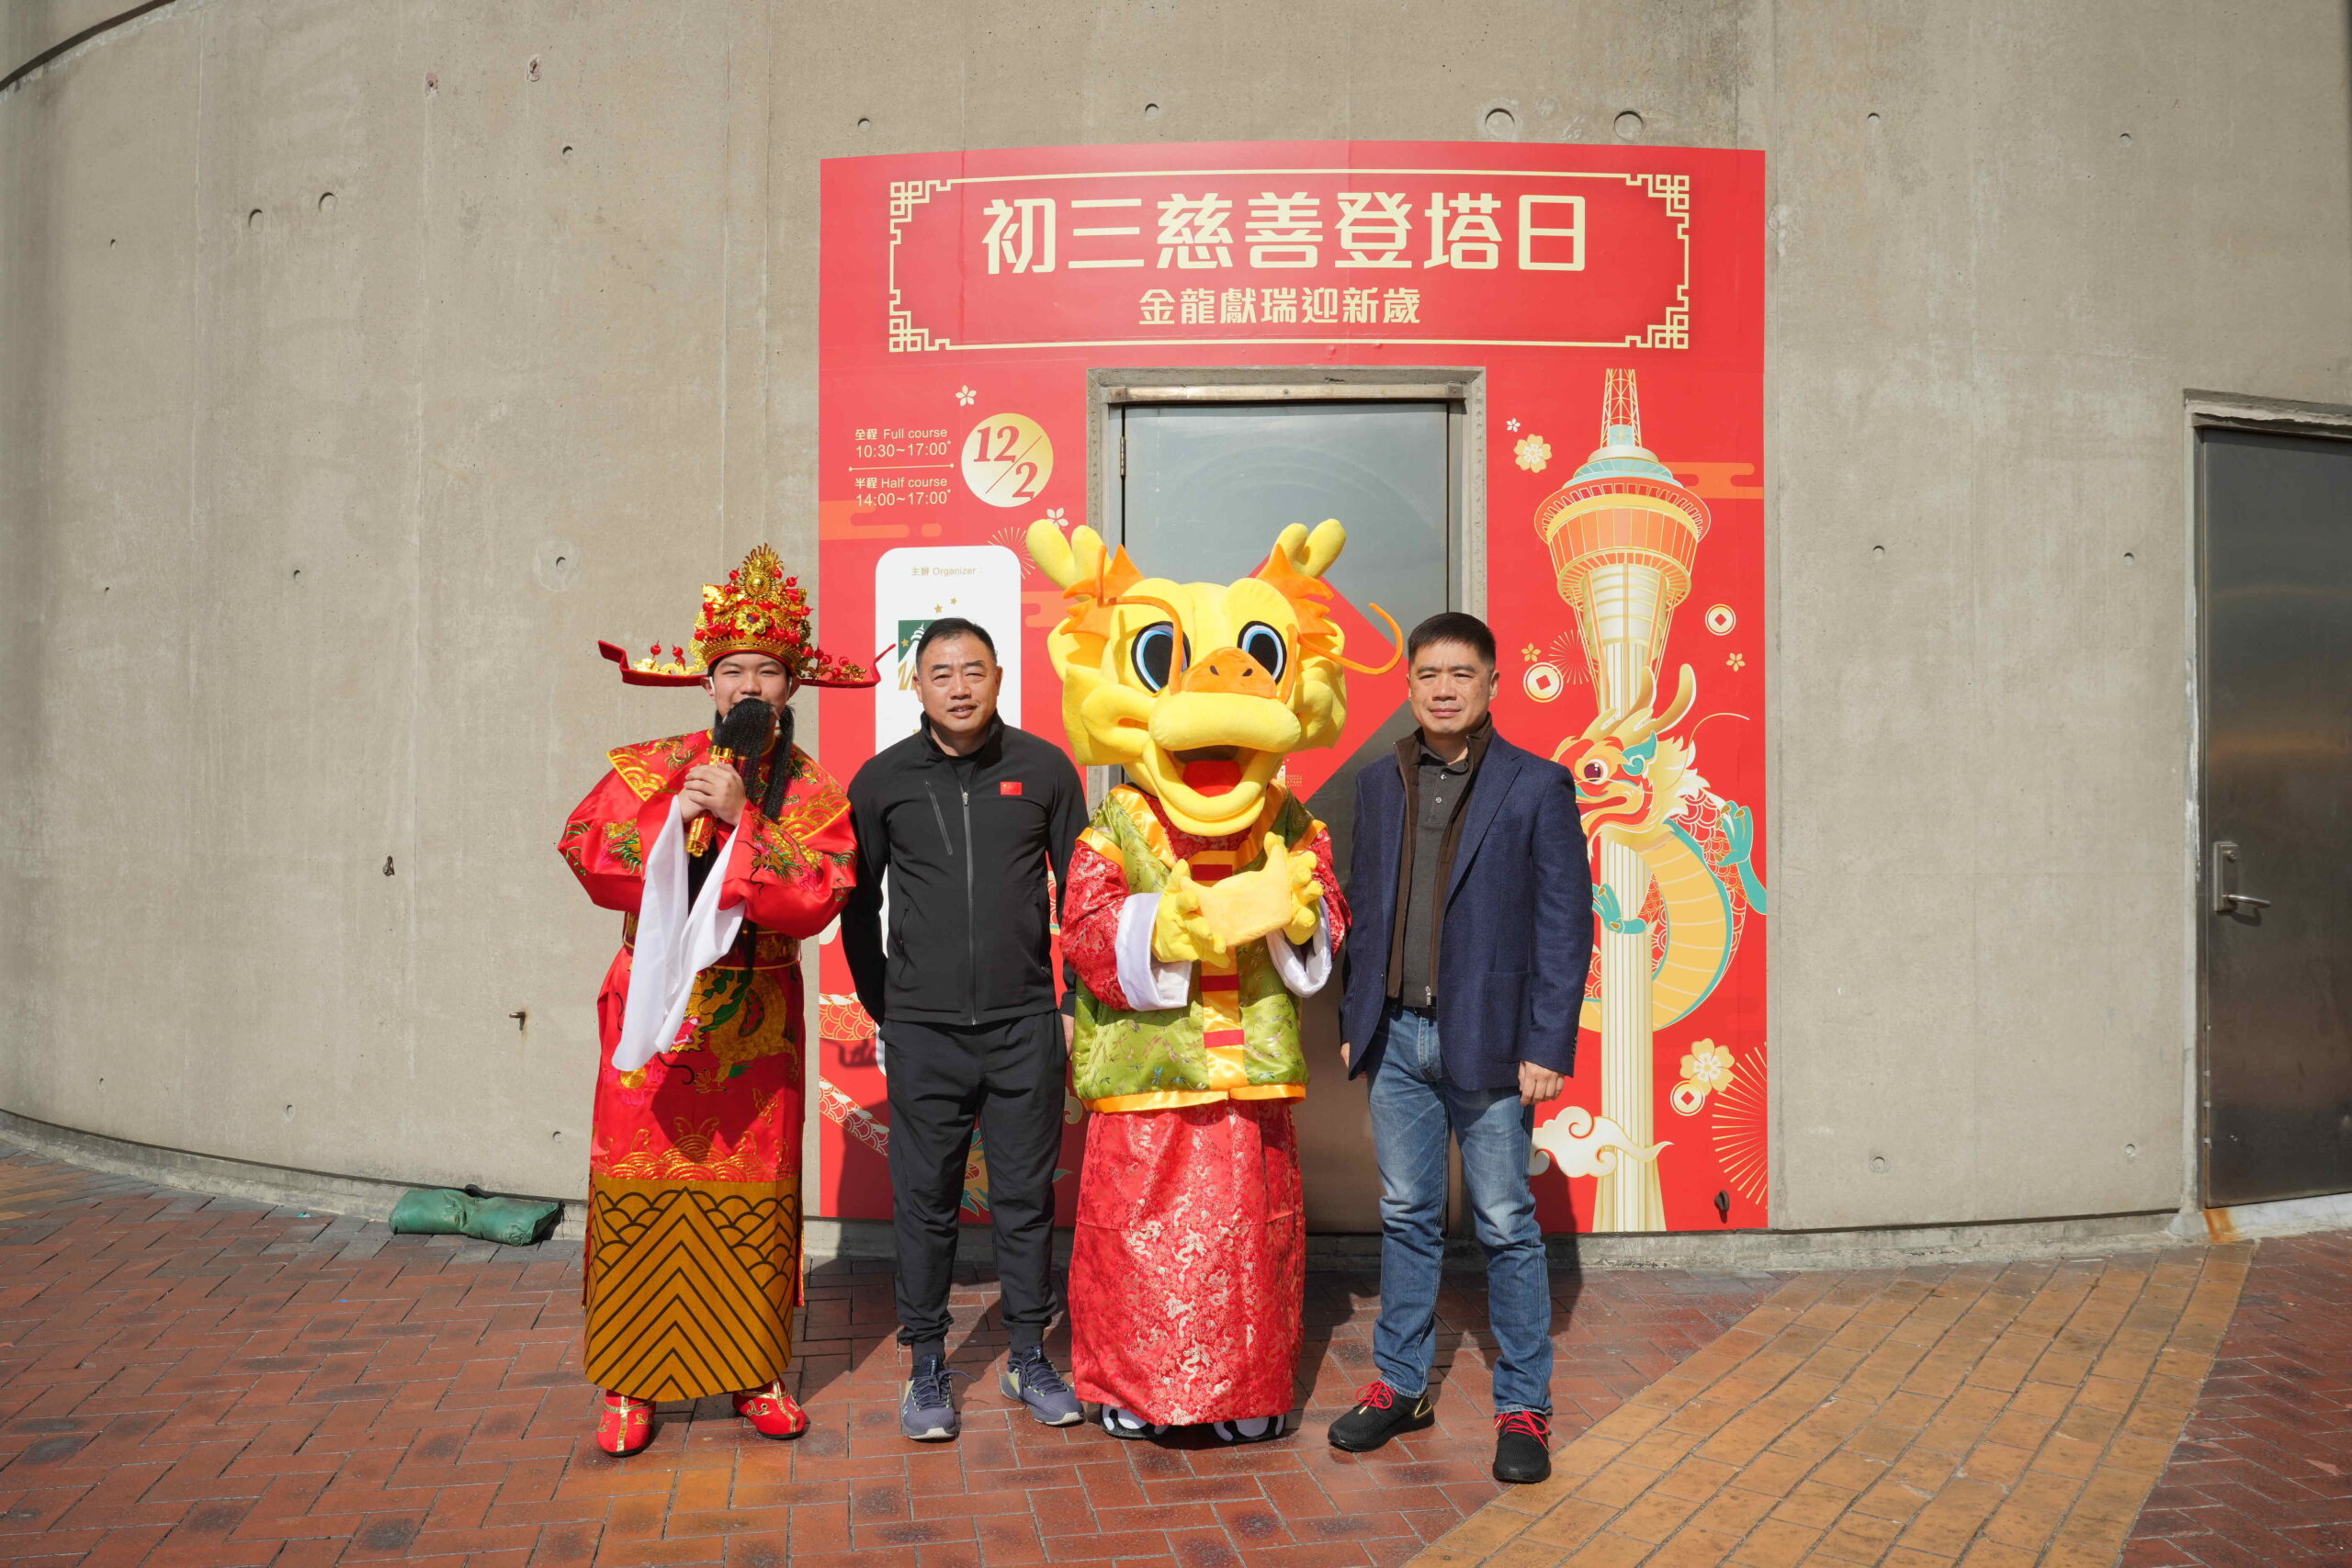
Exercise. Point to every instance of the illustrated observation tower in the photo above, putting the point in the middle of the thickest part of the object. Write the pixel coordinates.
(1624, 534)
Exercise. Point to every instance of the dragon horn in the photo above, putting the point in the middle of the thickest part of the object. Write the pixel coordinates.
(1609, 720)
(1052, 552)
(1686, 692)
(1310, 555)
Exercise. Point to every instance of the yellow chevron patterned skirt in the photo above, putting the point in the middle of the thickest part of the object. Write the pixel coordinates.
(692, 1285)
(693, 1199)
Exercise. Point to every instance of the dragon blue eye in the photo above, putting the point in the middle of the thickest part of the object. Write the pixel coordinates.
(1154, 655)
(1265, 645)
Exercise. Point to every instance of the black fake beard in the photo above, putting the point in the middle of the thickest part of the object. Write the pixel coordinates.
(768, 775)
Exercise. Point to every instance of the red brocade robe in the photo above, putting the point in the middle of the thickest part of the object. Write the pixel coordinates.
(1188, 1262)
(693, 1212)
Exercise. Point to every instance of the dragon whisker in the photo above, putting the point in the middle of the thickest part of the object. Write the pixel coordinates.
(1395, 647)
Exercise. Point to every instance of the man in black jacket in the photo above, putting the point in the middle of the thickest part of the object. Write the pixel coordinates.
(966, 816)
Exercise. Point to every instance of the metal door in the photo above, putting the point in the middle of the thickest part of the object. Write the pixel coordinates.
(2276, 515)
(1201, 492)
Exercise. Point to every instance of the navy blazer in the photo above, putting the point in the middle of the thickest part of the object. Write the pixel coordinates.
(1517, 940)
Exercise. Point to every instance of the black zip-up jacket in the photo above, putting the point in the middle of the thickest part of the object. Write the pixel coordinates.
(966, 843)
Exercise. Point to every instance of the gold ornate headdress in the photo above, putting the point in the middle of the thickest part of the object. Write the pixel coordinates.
(756, 610)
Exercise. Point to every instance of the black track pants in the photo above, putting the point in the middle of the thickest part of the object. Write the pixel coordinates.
(1010, 1077)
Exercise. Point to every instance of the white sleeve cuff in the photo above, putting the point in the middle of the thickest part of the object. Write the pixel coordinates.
(1149, 984)
(1304, 970)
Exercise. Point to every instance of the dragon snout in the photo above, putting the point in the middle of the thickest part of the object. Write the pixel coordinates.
(1228, 671)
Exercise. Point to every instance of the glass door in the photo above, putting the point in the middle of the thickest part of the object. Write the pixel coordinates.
(1198, 492)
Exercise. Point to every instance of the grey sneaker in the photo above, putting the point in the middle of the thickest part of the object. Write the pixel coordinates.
(927, 1410)
(1031, 1378)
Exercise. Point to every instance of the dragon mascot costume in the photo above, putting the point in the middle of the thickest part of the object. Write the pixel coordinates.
(1202, 904)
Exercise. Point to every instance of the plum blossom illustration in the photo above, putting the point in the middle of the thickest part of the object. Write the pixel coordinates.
(1707, 1068)
(1533, 452)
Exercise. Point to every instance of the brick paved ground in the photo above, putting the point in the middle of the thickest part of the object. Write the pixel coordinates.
(1989, 1416)
(2264, 1471)
(201, 1383)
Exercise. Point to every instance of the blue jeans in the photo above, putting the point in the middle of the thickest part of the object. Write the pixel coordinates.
(1413, 1109)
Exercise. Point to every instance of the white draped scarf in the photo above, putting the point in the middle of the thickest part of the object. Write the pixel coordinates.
(675, 942)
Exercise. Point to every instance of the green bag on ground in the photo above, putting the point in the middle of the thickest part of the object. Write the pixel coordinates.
(431, 1211)
(514, 1221)
(443, 1210)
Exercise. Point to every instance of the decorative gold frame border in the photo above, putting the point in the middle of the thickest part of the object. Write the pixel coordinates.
(904, 336)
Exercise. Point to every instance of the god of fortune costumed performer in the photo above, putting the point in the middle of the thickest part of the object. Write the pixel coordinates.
(1202, 904)
(725, 851)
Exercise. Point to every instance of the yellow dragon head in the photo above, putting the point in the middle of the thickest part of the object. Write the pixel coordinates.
(1198, 689)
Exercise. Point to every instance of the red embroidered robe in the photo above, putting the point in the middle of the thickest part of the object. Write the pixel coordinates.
(694, 1225)
(1188, 1264)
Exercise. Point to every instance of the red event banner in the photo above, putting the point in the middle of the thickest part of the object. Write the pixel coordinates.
(1298, 256)
(1608, 300)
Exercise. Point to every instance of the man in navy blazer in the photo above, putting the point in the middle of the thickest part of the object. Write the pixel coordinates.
(1472, 895)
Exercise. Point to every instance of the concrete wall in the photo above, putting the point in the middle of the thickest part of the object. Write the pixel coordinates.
(313, 507)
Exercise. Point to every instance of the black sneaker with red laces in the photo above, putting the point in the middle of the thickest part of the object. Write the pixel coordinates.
(1522, 1447)
(1380, 1413)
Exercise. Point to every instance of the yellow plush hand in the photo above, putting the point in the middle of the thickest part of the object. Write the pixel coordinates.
(1307, 899)
(1255, 904)
(1179, 932)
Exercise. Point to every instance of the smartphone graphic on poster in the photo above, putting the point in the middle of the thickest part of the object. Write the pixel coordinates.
(917, 584)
